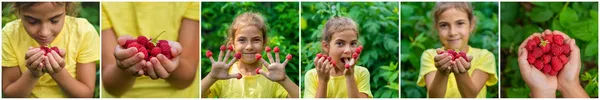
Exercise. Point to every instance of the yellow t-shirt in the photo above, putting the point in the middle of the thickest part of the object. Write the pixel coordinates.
(336, 87)
(150, 19)
(78, 37)
(482, 60)
(256, 86)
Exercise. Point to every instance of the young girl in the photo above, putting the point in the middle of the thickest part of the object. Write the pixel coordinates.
(463, 77)
(29, 71)
(122, 68)
(246, 40)
(335, 74)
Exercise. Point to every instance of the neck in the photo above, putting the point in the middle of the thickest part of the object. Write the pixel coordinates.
(337, 71)
(248, 68)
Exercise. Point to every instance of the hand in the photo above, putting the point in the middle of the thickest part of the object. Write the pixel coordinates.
(323, 67)
(161, 66)
(462, 65)
(349, 71)
(569, 75)
(535, 79)
(220, 69)
(129, 59)
(276, 70)
(443, 62)
(54, 62)
(33, 61)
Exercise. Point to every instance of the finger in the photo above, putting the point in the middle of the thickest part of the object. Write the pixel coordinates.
(150, 70)
(125, 53)
(61, 52)
(444, 61)
(47, 65)
(454, 66)
(287, 60)
(139, 73)
(238, 76)
(261, 72)
(325, 63)
(219, 59)
(58, 58)
(227, 54)
(166, 63)
(440, 56)
(439, 51)
(461, 68)
(160, 69)
(265, 63)
(565, 36)
(277, 57)
(54, 63)
(37, 56)
(123, 39)
(137, 68)
(446, 65)
(31, 52)
(270, 57)
(522, 59)
(316, 62)
(132, 60)
(232, 62)
(37, 62)
(176, 48)
(574, 54)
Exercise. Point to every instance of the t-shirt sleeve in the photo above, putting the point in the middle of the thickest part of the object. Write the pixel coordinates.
(214, 90)
(89, 48)
(192, 12)
(280, 92)
(427, 66)
(310, 84)
(106, 24)
(487, 63)
(363, 84)
(9, 59)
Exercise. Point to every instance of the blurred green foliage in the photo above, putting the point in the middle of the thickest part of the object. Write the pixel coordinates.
(378, 29)
(282, 24)
(579, 20)
(418, 35)
(87, 10)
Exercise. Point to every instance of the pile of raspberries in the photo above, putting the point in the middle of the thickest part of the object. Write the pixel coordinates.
(548, 53)
(455, 55)
(143, 45)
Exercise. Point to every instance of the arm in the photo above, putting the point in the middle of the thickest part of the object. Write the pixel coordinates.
(321, 89)
(206, 83)
(572, 90)
(290, 87)
(17, 84)
(353, 89)
(469, 86)
(82, 85)
(436, 83)
(115, 80)
(185, 73)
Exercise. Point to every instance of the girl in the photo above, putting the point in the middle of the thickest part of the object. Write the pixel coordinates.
(163, 78)
(30, 71)
(335, 74)
(247, 38)
(454, 23)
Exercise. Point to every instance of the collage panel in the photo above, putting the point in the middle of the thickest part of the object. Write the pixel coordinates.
(250, 50)
(50, 49)
(150, 49)
(350, 49)
(449, 49)
(549, 49)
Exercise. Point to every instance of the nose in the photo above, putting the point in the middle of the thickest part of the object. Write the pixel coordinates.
(45, 30)
(347, 49)
(453, 31)
(247, 47)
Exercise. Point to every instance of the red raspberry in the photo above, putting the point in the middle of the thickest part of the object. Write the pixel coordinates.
(546, 47)
(566, 49)
(324, 56)
(208, 53)
(142, 40)
(553, 72)
(156, 50)
(329, 58)
(166, 50)
(239, 76)
(360, 47)
(347, 66)
(558, 39)
(452, 52)
(538, 64)
(548, 38)
(557, 50)
(128, 42)
(258, 56)
(546, 66)
(531, 44)
(464, 56)
(546, 69)
(222, 47)
(557, 64)
(358, 50)
(238, 55)
(257, 71)
(537, 52)
(546, 58)
(355, 55)
(149, 45)
(288, 57)
(333, 63)
(319, 55)
(276, 49)
(136, 45)
(530, 59)
(563, 58)
(268, 49)
(163, 41)
(55, 49)
(144, 51)
(229, 48)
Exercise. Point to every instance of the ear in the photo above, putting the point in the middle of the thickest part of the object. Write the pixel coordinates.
(325, 46)
(473, 24)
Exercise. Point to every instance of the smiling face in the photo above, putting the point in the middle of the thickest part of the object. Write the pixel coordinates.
(248, 41)
(43, 21)
(454, 28)
(342, 46)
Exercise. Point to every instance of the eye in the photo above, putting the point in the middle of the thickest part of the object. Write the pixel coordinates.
(339, 44)
(54, 21)
(443, 25)
(30, 21)
(257, 40)
(241, 40)
(353, 44)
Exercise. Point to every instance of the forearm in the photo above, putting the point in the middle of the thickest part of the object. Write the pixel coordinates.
(465, 86)
(573, 90)
(438, 86)
(71, 86)
(116, 81)
(22, 87)
(184, 75)
(206, 83)
(352, 87)
(290, 87)
(321, 89)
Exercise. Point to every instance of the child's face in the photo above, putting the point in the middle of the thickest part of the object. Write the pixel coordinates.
(341, 46)
(43, 22)
(248, 41)
(454, 29)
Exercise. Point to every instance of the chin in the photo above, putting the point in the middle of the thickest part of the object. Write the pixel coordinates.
(248, 60)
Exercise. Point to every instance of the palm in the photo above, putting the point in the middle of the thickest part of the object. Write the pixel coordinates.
(219, 70)
(276, 72)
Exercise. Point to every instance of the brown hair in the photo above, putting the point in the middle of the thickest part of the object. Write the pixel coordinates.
(338, 24)
(71, 8)
(466, 7)
(245, 20)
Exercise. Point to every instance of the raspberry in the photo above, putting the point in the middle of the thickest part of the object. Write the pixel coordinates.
(238, 55)
(257, 56)
(347, 66)
(531, 44)
(558, 39)
(268, 49)
(537, 52)
(557, 50)
(276, 49)
(464, 55)
(135, 45)
(156, 50)
(530, 59)
(166, 50)
(239, 76)
(144, 51)
(257, 70)
(563, 58)
(209, 54)
(230, 48)
(538, 64)
(324, 56)
(360, 47)
(545, 66)
(548, 38)
(566, 49)
(545, 48)
(128, 42)
(329, 58)
(319, 55)
(556, 63)
(333, 63)
(358, 50)
(546, 58)
(222, 47)
(288, 57)
(546, 69)
(163, 41)
(150, 45)
(355, 55)
(142, 40)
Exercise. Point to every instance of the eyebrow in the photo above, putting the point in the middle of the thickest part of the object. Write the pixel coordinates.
(53, 17)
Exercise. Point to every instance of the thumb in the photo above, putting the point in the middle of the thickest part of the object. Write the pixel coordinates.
(237, 76)
(123, 39)
(261, 72)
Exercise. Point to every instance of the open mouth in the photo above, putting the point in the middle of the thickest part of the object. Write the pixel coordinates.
(345, 60)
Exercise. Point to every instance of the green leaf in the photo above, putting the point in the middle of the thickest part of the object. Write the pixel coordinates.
(568, 16)
(592, 48)
(539, 14)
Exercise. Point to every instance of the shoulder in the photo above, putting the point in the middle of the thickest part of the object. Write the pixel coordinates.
(12, 27)
(361, 71)
(311, 72)
(481, 53)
